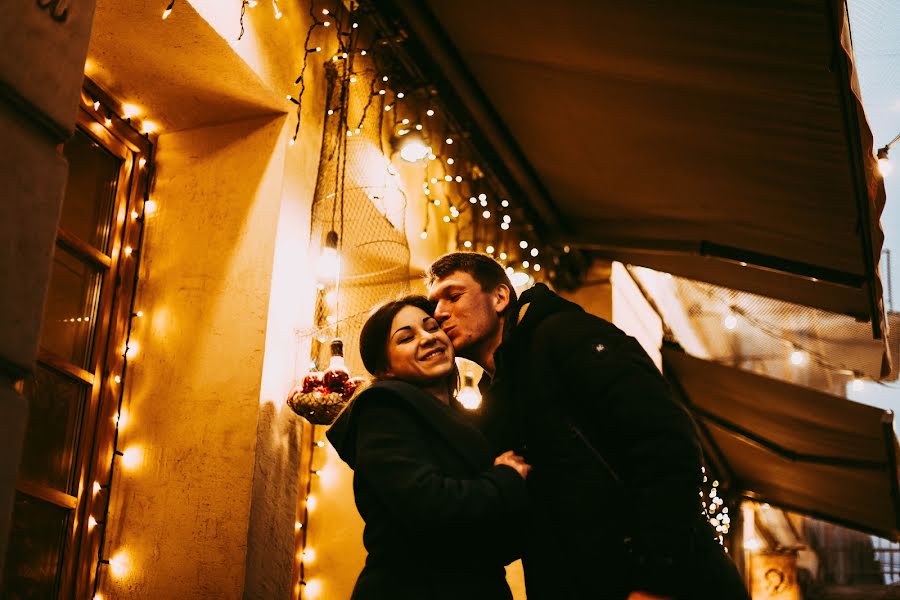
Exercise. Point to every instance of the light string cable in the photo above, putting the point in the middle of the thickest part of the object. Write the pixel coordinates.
(141, 219)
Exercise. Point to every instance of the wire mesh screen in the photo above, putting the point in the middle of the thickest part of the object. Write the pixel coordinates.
(358, 198)
(783, 340)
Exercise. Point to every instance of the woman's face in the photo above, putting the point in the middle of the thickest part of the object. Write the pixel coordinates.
(418, 351)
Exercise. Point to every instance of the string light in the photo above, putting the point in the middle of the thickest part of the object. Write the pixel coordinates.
(884, 163)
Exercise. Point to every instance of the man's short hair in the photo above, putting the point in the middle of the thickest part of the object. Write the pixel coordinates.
(483, 269)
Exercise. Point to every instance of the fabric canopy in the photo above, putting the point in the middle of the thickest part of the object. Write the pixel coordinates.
(720, 141)
(793, 446)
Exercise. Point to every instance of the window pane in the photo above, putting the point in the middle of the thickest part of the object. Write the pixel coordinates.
(90, 191)
(71, 312)
(55, 405)
(35, 545)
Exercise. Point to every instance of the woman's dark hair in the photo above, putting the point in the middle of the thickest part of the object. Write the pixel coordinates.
(373, 339)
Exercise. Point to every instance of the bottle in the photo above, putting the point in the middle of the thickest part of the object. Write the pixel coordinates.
(336, 375)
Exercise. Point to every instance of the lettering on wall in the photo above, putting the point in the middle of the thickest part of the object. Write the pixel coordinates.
(58, 9)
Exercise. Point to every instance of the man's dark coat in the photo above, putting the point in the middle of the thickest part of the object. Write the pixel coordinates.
(440, 520)
(591, 537)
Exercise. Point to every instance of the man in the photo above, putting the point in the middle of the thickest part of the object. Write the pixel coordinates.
(616, 460)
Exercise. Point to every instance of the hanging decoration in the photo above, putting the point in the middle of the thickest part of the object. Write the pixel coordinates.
(323, 394)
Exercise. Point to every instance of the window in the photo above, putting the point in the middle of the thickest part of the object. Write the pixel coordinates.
(69, 394)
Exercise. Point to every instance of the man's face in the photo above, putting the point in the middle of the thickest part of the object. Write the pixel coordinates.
(468, 314)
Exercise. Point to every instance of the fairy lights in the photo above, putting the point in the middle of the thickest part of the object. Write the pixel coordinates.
(129, 458)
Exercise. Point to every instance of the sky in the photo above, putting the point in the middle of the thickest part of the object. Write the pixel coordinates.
(875, 30)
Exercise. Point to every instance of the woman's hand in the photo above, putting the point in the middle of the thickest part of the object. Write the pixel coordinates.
(511, 459)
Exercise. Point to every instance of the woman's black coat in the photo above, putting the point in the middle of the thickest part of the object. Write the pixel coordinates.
(440, 520)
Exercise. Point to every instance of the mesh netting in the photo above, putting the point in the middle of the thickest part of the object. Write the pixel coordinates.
(763, 334)
(357, 198)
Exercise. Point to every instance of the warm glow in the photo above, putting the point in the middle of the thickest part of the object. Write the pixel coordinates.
(129, 111)
(489, 249)
(92, 522)
(753, 544)
(117, 379)
(149, 126)
(730, 322)
(798, 357)
(469, 398)
(97, 487)
(132, 457)
(298, 526)
(320, 444)
(119, 564)
(122, 419)
(150, 207)
(520, 279)
(885, 167)
(310, 503)
(142, 162)
(414, 150)
(131, 350)
(98, 596)
(309, 555)
(128, 250)
(329, 266)
(107, 121)
(313, 589)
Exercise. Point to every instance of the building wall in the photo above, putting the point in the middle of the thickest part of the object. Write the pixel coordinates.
(38, 102)
(225, 286)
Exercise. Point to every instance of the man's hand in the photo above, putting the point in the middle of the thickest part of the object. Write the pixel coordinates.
(646, 596)
(511, 459)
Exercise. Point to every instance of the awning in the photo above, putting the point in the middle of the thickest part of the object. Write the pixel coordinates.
(792, 446)
(724, 142)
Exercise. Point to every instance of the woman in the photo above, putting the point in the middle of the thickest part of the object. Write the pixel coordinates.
(441, 514)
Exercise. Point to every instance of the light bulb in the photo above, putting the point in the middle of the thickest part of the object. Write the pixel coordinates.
(97, 487)
(730, 322)
(486, 214)
(504, 203)
(132, 457)
(130, 111)
(523, 244)
(149, 126)
(313, 589)
(118, 564)
(489, 249)
(884, 166)
(424, 234)
(534, 252)
(467, 244)
(168, 10)
(329, 266)
(310, 503)
(504, 226)
(150, 207)
(468, 395)
(798, 357)
(92, 522)
(503, 256)
(450, 161)
(520, 279)
(429, 112)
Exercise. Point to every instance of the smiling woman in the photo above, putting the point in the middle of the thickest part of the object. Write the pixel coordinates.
(441, 514)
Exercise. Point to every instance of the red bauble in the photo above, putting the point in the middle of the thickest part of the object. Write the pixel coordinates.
(335, 379)
(312, 380)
